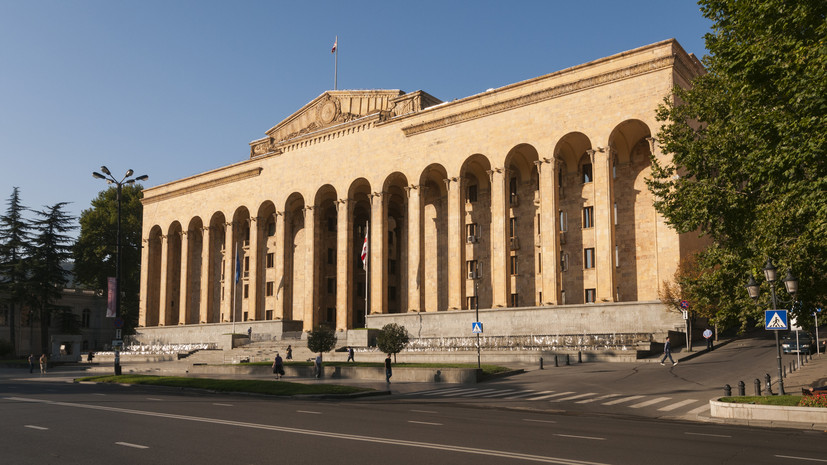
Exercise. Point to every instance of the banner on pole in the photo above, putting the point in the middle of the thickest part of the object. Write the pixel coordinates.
(111, 310)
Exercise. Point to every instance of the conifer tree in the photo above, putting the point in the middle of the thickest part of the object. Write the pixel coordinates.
(14, 251)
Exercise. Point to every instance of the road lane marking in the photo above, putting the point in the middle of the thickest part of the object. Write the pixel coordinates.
(154, 398)
(707, 434)
(539, 421)
(43, 428)
(98, 394)
(308, 411)
(424, 423)
(620, 401)
(451, 392)
(434, 392)
(586, 401)
(698, 410)
(128, 444)
(222, 405)
(424, 411)
(677, 405)
(801, 458)
(580, 437)
(478, 393)
(578, 396)
(525, 394)
(505, 392)
(326, 434)
(650, 402)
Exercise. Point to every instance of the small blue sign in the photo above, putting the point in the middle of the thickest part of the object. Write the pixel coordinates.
(684, 304)
(775, 320)
(476, 327)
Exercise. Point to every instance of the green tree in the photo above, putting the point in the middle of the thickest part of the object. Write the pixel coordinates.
(15, 233)
(747, 151)
(95, 248)
(321, 339)
(392, 338)
(51, 249)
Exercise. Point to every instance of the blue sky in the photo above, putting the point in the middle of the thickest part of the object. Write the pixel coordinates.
(172, 88)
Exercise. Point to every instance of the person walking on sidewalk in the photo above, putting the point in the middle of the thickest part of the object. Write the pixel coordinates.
(667, 352)
(43, 362)
(289, 352)
(278, 366)
(350, 355)
(31, 363)
(388, 371)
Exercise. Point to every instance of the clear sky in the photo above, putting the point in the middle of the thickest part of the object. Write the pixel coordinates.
(172, 88)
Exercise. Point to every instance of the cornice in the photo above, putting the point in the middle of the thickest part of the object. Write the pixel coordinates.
(250, 173)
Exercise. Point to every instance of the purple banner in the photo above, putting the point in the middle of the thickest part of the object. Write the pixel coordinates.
(110, 298)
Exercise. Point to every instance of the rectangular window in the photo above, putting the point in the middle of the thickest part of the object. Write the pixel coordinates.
(515, 300)
(564, 224)
(271, 259)
(472, 230)
(471, 302)
(246, 291)
(331, 223)
(246, 314)
(540, 297)
(588, 258)
(512, 227)
(588, 217)
(590, 296)
(563, 297)
(617, 255)
(540, 263)
(538, 223)
(268, 314)
(615, 214)
(471, 195)
(331, 285)
(392, 293)
(513, 265)
(587, 173)
(391, 266)
(246, 264)
(564, 261)
(271, 229)
(268, 288)
(331, 256)
(471, 267)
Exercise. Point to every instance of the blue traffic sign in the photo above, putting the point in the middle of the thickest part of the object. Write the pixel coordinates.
(476, 327)
(684, 304)
(775, 320)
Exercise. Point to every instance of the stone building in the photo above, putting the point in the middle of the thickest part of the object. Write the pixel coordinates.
(528, 200)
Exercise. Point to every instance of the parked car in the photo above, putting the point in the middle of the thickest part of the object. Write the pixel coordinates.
(792, 345)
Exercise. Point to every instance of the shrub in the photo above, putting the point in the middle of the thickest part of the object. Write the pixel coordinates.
(818, 400)
(392, 339)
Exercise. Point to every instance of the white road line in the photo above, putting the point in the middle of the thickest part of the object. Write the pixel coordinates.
(801, 458)
(317, 433)
(478, 393)
(136, 446)
(98, 394)
(696, 411)
(424, 423)
(523, 395)
(154, 398)
(452, 392)
(650, 402)
(578, 396)
(222, 405)
(539, 421)
(676, 405)
(580, 437)
(548, 395)
(620, 401)
(308, 411)
(538, 395)
(424, 411)
(707, 434)
(504, 392)
(438, 391)
(35, 427)
(586, 401)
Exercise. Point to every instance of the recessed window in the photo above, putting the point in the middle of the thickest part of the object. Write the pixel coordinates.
(588, 258)
(617, 255)
(471, 193)
(588, 217)
(392, 293)
(471, 267)
(331, 256)
(271, 228)
(587, 173)
(513, 264)
(246, 291)
(564, 261)
(271, 258)
(512, 227)
(331, 223)
(515, 300)
(472, 230)
(590, 296)
(615, 213)
(391, 266)
(539, 263)
(564, 223)
(331, 285)
(471, 302)
(269, 289)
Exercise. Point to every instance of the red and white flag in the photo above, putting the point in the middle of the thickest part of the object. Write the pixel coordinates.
(335, 44)
(365, 252)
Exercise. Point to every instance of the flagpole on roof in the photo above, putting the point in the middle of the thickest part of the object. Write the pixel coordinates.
(335, 51)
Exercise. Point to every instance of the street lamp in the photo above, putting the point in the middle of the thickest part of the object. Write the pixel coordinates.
(791, 285)
(119, 184)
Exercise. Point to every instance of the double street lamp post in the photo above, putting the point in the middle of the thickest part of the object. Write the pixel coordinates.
(107, 176)
(791, 284)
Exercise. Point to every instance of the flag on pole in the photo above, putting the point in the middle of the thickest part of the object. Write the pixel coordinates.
(365, 251)
(335, 44)
(237, 266)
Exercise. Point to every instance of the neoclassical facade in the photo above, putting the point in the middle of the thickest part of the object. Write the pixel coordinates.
(531, 195)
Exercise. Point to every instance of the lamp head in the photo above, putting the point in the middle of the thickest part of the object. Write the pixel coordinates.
(791, 283)
(142, 177)
(97, 175)
(128, 173)
(106, 170)
(769, 271)
(752, 287)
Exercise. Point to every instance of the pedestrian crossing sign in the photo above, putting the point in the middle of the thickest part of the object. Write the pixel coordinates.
(775, 320)
(476, 327)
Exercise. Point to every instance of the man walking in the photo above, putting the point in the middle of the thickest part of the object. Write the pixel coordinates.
(667, 352)
(388, 371)
(350, 355)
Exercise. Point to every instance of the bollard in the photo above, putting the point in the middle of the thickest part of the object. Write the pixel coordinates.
(784, 371)
(541, 363)
(555, 361)
(567, 360)
(727, 390)
(757, 387)
(769, 384)
(741, 390)
(579, 357)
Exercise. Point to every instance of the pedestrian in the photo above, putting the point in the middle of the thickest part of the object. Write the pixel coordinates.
(667, 352)
(318, 366)
(289, 352)
(31, 363)
(708, 336)
(250, 332)
(43, 361)
(350, 355)
(278, 366)
(90, 356)
(388, 370)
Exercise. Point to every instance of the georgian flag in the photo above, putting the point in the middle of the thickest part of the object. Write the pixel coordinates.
(365, 252)
(335, 44)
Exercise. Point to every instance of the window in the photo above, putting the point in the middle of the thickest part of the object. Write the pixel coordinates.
(588, 217)
(392, 293)
(246, 291)
(472, 230)
(615, 213)
(271, 257)
(391, 266)
(564, 261)
(512, 186)
(331, 223)
(513, 264)
(538, 223)
(268, 288)
(471, 267)
(515, 300)
(271, 229)
(617, 255)
(85, 317)
(331, 285)
(590, 296)
(471, 302)
(563, 297)
(540, 263)
(512, 227)
(246, 266)
(588, 258)
(587, 173)
(268, 314)
(471, 194)
(540, 297)
(331, 256)
(246, 314)
(223, 263)
(564, 223)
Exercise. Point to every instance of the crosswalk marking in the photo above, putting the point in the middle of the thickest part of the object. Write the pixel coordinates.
(502, 393)
(698, 410)
(677, 405)
(453, 392)
(624, 399)
(523, 395)
(578, 396)
(539, 395)
(595, 399)
(650, 402)
(478, 393)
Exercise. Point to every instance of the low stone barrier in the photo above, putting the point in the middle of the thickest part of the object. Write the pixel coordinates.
(814, 416)
(421, 375)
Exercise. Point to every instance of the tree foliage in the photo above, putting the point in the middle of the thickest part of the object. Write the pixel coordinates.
(95, 248)
(321, 339)
(15, 232)
(747, 144)
(392, 339)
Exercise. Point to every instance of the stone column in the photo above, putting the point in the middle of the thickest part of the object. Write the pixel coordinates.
(253, 309)
(378, 249)
(228, 305)
(183, 292)
(309, 310)
(604, 225)
(163, 307)
(499, 238)
(415, 194)
(344, 263)
(203, 311)
(279, 219)
(456, 242)
(549, 229)
(142, 317)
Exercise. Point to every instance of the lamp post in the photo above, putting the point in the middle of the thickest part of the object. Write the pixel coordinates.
(791, 284)
(107, 176)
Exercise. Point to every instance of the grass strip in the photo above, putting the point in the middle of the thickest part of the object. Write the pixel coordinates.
(784, 401)
(486, 369)
(256, 386)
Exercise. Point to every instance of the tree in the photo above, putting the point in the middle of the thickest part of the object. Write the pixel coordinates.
(95, 249)
(15, 234)
(392, 339)
(747, 144)
(321, 339)
(51, 248)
